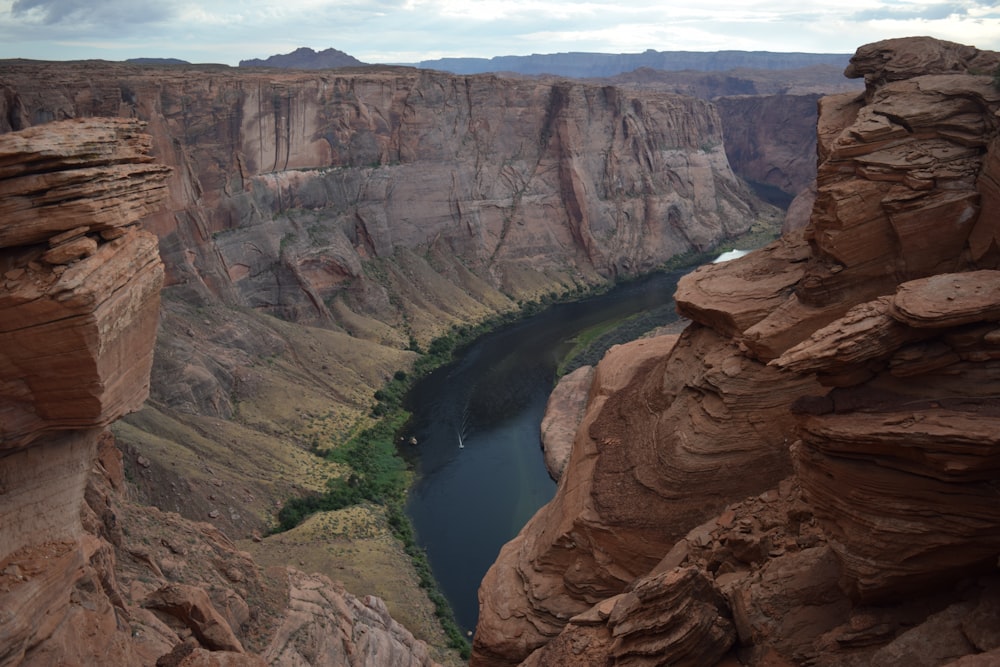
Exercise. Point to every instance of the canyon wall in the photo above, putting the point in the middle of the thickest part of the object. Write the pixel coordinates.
(513, 178)
(771, 142)
(374, 208)
(806, 475)
(86, 577)
(319, 228)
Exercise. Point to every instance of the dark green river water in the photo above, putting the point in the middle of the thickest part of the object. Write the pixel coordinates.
(478, 457)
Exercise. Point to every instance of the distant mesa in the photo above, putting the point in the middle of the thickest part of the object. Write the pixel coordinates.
(590, 65)
(306, 58)
(581, 65)
(157, 61)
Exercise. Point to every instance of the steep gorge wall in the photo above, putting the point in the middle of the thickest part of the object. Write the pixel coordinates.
(317, 225)
(378, 207)
(771, 140)
(863, 355)
(87, 577)
(567, 181)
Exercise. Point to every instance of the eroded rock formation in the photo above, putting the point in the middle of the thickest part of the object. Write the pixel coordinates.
(379, 207)
(85, 577)
(80, 304)
(295, 179)
(862, 353)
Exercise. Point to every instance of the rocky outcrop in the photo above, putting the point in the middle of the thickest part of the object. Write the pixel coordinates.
(85, 578)
(566, 406)
(80, 306)
(78, 325)
(911, 424)
(325, 626)
(861, 354)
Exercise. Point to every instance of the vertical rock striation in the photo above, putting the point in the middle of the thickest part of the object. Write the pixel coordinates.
(286, 183)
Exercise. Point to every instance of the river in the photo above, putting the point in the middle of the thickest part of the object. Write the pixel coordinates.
(478, 458)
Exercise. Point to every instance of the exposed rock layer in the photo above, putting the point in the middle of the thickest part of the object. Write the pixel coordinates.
(297, 178)
(380, 207)
(84, 579)
(884, 320)
(77, 332)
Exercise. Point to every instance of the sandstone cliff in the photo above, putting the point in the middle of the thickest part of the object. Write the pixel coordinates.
(320, 227)
(379, 207)
(805, 476)
(87, 578)
(768, 122)
(514, 178)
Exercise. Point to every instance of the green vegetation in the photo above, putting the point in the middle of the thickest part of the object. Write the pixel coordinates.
(583, 341)
(376, 472)
(589, 349)
(378, 475)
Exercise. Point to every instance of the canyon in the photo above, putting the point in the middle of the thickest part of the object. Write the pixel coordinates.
(803, 475)
(320, 227)
(315, 231)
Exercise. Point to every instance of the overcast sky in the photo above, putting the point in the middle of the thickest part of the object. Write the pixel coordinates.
(226, 31)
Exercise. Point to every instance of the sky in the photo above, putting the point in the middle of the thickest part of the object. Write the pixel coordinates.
(408, 31)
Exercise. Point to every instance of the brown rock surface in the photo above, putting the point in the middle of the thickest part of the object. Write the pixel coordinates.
(655, 458)
(54, 176)
(913, 426)
(674, 618)
(85, 578)
(379, 207)
(75, 341)
(193, 609)
(566, 406)
(325, 626)
(78, 338)
(887, 313)
(905, 58)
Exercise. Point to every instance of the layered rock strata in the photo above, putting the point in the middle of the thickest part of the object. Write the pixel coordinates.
(86, 579)
(286, 183)
(861, 354)
(911, 424)
(380, 207)
(80, 304)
